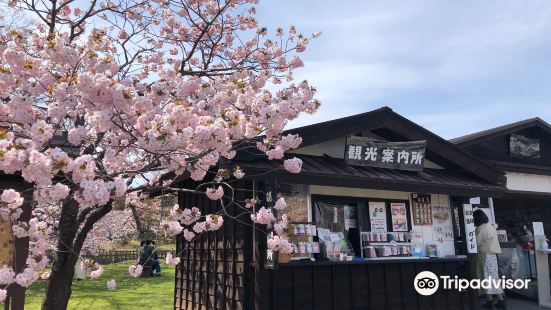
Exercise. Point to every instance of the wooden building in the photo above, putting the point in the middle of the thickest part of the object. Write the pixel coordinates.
(420, 208)
(12, 253)
(522, 151)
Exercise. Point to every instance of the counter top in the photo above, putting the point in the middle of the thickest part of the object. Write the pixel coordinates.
(379, 260)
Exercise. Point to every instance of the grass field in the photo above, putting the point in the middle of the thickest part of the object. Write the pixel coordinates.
(156, 293)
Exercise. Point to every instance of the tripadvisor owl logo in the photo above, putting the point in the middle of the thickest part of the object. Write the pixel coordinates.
(426, 283)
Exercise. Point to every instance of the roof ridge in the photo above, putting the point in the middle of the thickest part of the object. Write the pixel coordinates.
(497, 129)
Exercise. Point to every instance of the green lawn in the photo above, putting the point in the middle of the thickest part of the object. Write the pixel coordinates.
(143, 293)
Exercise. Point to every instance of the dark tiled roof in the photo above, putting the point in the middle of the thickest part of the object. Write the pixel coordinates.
(504, 129)
(321, 170)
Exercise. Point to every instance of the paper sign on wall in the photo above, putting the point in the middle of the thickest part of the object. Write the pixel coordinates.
(474, 200)
(398, 214)
(469, 228)
(349, 217)
(422, 211)
(538, 229)
(442, 226)
(377, 216)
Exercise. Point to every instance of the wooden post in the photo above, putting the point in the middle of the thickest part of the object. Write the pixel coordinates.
(16, 294)
(473, 299)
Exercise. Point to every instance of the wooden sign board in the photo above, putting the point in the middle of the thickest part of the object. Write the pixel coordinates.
(296, 197)
(362, 151)
(6, 243)
(522, 147)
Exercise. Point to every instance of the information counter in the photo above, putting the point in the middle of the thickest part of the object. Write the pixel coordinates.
(382, 283)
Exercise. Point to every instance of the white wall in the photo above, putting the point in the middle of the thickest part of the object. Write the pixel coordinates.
(444, 248)
(333, 148)
(528, 182)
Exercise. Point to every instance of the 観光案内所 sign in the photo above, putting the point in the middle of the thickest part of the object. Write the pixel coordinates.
(362, 151)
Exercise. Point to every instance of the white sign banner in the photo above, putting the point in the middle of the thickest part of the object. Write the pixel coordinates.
(538, 229)
(469, 228)
(377, 216)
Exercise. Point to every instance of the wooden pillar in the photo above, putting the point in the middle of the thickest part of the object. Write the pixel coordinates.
(473, 300)
(16, 294)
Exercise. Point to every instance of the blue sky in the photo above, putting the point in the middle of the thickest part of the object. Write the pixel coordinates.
(454, 67)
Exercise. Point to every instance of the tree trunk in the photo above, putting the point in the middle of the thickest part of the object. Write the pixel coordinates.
(58, 291)
(60, 282)
(71, 237)
(139, 226)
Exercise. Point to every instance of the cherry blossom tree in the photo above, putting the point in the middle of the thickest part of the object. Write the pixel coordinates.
(101, 99)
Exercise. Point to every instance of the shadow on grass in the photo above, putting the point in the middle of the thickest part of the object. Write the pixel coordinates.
(154, 292)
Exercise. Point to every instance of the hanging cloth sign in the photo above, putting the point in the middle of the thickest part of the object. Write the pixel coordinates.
(470, 232)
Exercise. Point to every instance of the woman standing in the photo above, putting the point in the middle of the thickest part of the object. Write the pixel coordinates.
(488, 248)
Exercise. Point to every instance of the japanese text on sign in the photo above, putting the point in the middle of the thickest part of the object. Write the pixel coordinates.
(469, 228)
(393, 155)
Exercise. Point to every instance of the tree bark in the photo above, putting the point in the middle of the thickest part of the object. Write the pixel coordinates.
(139, 226)
(59, 290)
(70, 242)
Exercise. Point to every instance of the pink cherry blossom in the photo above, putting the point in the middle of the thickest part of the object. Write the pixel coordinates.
(27, 277)
(172, 228)
(172, 260)
(111, 284)
(135, 270)
(3, 295)
(293, 165)
(12, 198)
(280, 204)
(94, 112)
(215, 194)
(188, 235)
(281, 225)
(76, 135)
(263, 216)
(6, 275)
(187, 216)
(200, 227)
(96, 274)
(41, 131)
(213, 222)
(279, 243)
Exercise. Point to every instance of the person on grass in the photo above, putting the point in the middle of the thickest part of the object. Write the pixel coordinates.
(79, 271)
(149, 257)
(488, 248)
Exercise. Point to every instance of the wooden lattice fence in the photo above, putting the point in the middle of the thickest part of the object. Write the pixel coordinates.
(117, 256)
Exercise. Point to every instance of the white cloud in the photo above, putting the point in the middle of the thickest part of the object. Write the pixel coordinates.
(431, 60)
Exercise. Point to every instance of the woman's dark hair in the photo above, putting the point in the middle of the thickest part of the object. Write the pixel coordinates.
(142, 243)
(480, 217)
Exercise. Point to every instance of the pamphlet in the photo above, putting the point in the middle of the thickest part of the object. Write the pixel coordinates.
(377, 216)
